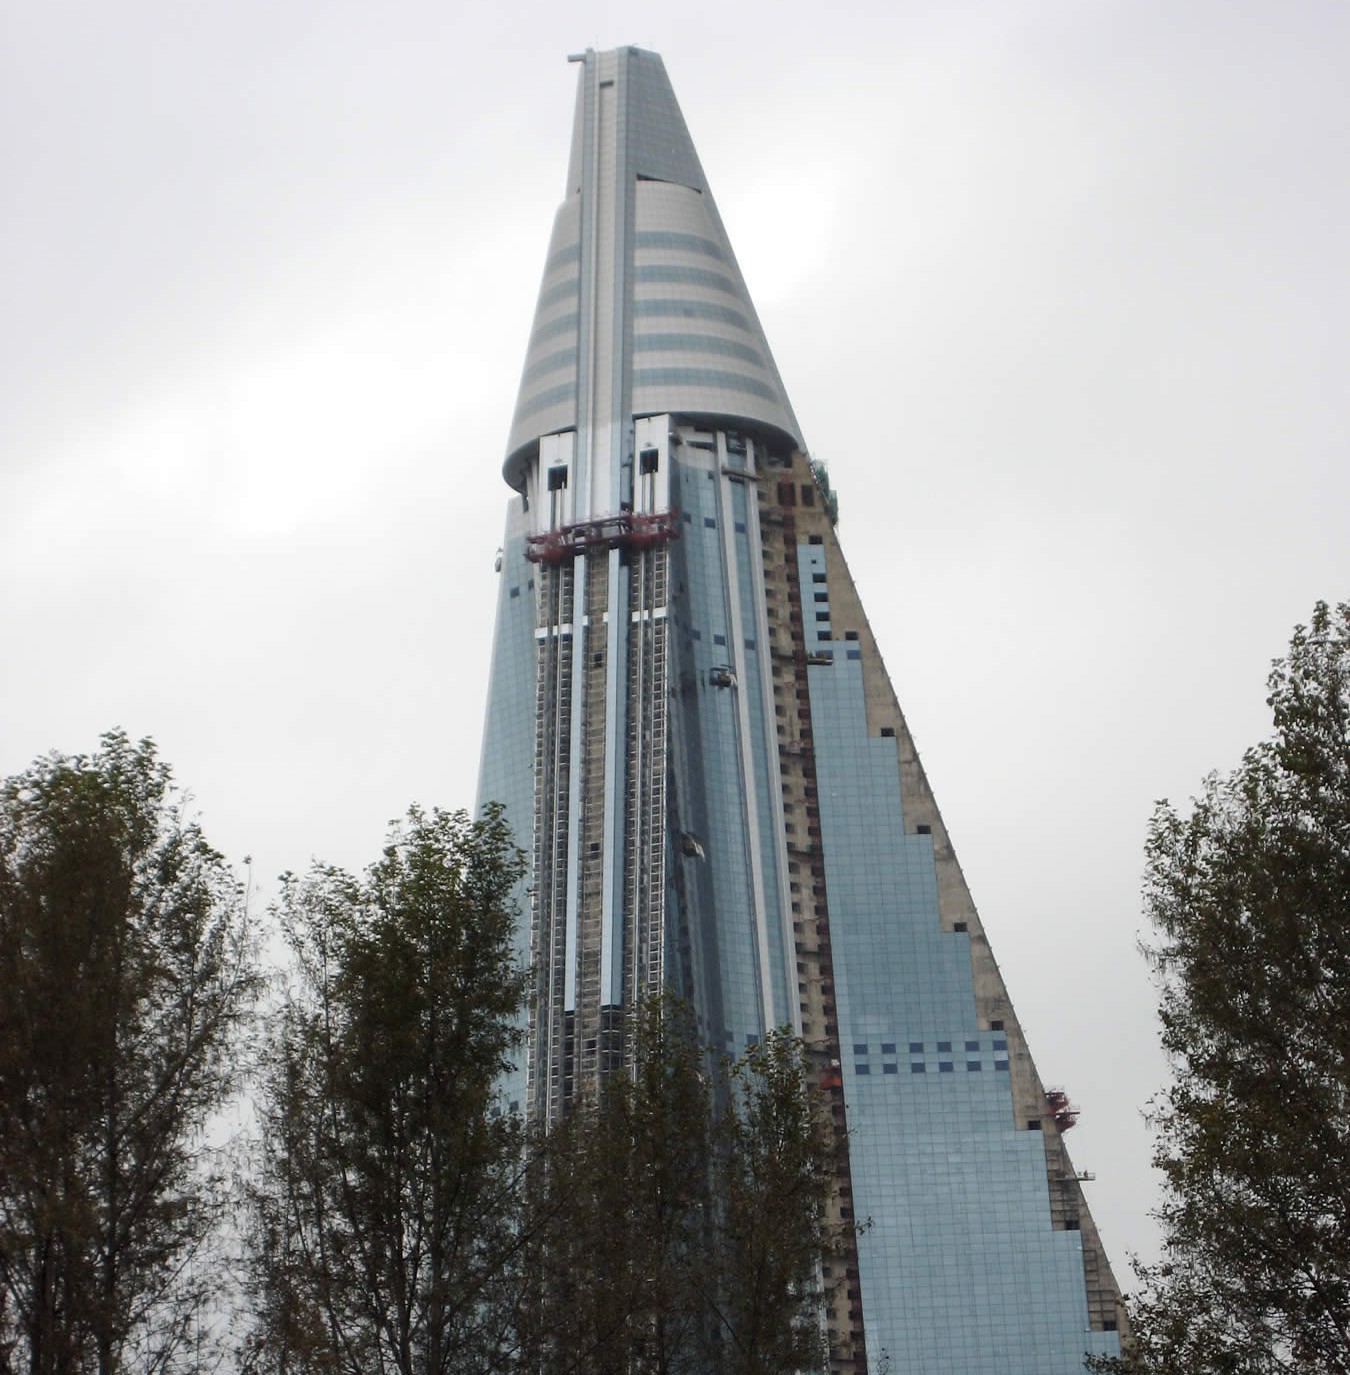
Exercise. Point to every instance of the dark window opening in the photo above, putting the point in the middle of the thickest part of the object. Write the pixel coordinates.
(922, 828)
(808, 494)
(816, 539)
(557, 478)
(960, 926)
(995, 1026)
(648, 461)
(888, 732)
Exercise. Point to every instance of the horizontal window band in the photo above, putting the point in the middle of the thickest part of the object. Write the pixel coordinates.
(561, 292)
(691, 310)
(555, 362)
(702, 377)
(543, 400)
(564, 324)
(570, 254)
(691, 276)
(696, 343)
(669, 238)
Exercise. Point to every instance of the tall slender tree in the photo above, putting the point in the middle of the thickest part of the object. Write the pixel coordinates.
(127, 975)
(678, 1223)
(1249, 895)
(384, 1235)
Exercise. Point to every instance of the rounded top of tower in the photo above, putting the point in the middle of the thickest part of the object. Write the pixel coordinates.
(642, 309)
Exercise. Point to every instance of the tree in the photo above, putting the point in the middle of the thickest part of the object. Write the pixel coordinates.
(126, 980)
(773, 1170)
(678, 1222)
(384, 1225)
(618, 1212)
(1249, 895)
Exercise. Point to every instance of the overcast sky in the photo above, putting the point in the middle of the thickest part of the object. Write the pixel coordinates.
(1070, 278)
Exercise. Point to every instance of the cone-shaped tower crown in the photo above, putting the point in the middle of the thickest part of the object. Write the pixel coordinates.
(642, 309)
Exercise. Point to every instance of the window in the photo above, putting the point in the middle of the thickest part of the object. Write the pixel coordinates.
(888, 732)
(648, 461)
(960, 926)
(888, 1047)
(972, 1045)
(916, 1047)
(557, 478)
(944, 1045)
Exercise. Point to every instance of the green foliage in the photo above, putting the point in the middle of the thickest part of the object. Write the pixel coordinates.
(385, 1215)
(829, 498)
(773, 1170)
(677, 1224)
(126, 979)
(1250, 898)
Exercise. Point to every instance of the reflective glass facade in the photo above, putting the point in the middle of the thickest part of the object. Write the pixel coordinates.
(698, 745)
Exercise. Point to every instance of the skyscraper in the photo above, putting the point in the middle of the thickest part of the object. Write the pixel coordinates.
(691, 722)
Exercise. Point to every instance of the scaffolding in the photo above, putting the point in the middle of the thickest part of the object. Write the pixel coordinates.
(619, 530)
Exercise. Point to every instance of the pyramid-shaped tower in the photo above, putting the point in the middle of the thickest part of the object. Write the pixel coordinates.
(690, 721)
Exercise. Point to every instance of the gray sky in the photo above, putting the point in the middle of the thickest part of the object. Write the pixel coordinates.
(1069, 275)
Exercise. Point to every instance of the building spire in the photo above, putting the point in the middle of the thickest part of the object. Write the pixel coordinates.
(642, 309)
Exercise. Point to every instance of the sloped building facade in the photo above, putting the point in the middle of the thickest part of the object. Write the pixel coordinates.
(691, 723)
